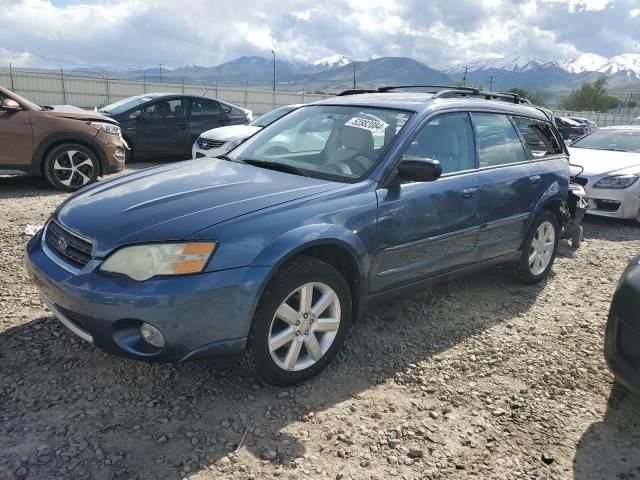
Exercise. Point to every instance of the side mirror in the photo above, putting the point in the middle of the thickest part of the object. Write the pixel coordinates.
(419, 170)
(9, 105)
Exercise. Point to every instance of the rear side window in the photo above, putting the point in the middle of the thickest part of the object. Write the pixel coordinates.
(498, 141)
(200, 108)
(538, 136)
(447, 138)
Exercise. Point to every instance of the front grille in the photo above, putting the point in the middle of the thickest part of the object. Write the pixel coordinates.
(607, 205)
(69, 247)
(206, 144)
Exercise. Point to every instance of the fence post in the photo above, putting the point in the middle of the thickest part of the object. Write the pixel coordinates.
(11, 76)
(64, 92)
(106, 76)
(144, 83)
(183, 84)
(216, 88)
(246, 93)
(303, 96)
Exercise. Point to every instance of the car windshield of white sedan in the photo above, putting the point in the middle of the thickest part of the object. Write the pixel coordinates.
(325, 141)
(623, 140)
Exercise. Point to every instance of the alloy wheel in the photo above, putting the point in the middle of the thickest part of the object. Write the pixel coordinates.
(542, 247)
(304, 327)
(73, 168)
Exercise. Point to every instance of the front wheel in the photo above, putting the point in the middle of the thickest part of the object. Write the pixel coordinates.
(69, 167)
(300, 323)
(539, 249)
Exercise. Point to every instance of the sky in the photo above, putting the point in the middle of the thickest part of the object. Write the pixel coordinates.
(440, 33)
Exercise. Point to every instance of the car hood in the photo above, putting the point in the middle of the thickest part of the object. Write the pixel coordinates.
(230, 133)
(76, 113)
(175, 201)
(598, 163)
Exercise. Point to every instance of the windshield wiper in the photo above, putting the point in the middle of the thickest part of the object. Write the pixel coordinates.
(225, 157)
(281, 167)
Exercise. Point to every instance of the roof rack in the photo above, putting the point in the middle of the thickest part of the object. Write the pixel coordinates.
(449, 91)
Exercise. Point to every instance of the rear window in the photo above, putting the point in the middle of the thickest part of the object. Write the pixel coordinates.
(539, 139)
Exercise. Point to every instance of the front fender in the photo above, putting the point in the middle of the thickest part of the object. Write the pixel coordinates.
(299, 239)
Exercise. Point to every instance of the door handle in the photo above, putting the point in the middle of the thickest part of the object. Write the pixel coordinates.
(535, 179)
(469, 192)
(182, 126)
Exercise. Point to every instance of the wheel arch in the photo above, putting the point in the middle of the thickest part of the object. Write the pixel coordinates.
(56, 139)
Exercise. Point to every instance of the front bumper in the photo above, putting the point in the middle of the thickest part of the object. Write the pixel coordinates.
(113, 148)
(616, 203)
(199, 315)
(622, 337)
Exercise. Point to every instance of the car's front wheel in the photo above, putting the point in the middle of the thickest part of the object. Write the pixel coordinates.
(300, 323)
(69, 167)
(539, 249)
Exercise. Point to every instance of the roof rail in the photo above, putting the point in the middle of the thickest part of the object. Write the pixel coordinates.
(508, 96)
(356, 91)
(435, 87)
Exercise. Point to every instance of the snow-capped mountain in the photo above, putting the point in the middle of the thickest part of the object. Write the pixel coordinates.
(627, 64)
(513, 63)
(587, 62)
(333, 61)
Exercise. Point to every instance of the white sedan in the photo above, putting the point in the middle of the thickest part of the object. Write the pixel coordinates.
(221, 140)
(610, 157)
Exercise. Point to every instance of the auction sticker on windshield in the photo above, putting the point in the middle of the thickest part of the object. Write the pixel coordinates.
(366, 124)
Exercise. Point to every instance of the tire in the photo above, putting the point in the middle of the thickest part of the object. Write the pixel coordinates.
(299, 350)
(530, 273)
(70, 166)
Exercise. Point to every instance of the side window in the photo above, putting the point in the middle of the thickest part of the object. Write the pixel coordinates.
(201, 108)
(498, 141)
(225, 108)
(447, 138)
(538, 137)
(164, 109)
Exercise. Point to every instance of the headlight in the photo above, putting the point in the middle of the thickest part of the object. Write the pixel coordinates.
(141, 262)
(108, 128)
(619, 181)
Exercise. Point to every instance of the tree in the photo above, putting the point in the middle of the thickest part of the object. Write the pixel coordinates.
(591, 97)
(534, 97)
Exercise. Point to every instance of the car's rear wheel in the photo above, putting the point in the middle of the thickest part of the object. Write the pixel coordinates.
(300, 323)
(70, 166)
(539, 249)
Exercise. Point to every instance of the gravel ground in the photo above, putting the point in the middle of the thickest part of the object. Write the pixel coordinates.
(479, 378)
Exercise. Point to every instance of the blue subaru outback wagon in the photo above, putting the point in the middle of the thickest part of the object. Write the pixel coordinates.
(273, 250)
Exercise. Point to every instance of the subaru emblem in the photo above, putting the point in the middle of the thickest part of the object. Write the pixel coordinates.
(61, 244)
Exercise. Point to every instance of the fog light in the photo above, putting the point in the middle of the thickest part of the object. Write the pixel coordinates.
(152, 335)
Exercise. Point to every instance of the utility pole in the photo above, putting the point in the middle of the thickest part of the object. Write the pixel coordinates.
(160, 65)
(464, 79)
(354, 74)
(490, 82)
(274, 69)
(629, 103)
(11, 76)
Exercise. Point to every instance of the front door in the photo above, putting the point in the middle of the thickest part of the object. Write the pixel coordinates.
(16, 138)
(163, 129)
(425, 229)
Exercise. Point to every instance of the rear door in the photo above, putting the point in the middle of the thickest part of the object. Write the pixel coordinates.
(16, 138)
(510, 185)
(205, 115)
(429, 228)
(162, 129)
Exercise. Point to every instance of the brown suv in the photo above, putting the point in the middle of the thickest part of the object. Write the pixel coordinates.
(69, 146)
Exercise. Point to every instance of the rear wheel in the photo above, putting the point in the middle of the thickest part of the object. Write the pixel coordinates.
(300, 323)
(539, 249)
(71, 166)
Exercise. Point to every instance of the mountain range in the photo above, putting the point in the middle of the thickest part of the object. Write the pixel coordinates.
(552, 79)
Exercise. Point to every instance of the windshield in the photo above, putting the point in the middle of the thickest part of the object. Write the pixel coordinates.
(340, 143)
(125, 104)
(619, 140)
(270, 117)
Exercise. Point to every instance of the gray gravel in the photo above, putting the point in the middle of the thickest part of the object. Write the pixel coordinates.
(479, 378)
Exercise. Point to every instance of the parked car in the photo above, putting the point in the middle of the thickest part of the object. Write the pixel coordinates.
(167, 124)
(586, 122)
(221, 140)
(570, 129)
(610, 157)
(68, 146)
(622, 336)
(274, 254)
(635, 121)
